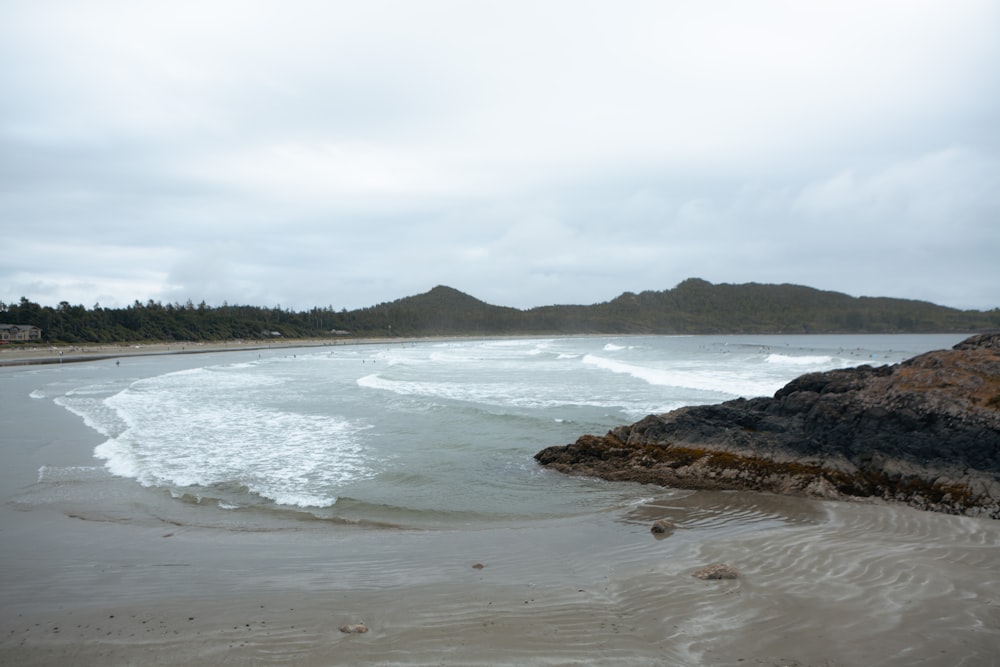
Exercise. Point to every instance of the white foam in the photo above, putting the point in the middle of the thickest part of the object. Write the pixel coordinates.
(799, 361)
(95, 414)
(611, 347)
(120, 459)
(38, 393)
(220, 378)
(237, 366)
(496, 394)
(447, 357)
(498, 350)
(304, 499)
(517, 342)
(644, 373)
(290, 458)
(207, 427)
(94, 390)
(507, 395)
(406, 361)
(731, 381)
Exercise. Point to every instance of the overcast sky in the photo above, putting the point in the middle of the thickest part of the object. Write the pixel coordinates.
(528, 153)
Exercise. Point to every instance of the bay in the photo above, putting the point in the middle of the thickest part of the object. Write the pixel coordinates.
(416, 434)
(394, 484)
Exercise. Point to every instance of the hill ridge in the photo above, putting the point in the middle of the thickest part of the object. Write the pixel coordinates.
(694, 306)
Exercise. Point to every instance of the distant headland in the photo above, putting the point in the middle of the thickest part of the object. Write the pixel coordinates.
(694, 306)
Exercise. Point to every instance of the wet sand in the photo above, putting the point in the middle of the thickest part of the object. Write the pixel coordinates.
(23, 355)
(137, 577)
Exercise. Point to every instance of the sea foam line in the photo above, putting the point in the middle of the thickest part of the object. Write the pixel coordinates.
(204, 428)
(799, 361)
(650, 375)
(716, 381)
(495, 394)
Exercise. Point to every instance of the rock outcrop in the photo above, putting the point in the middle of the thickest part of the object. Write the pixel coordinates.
(924, 432)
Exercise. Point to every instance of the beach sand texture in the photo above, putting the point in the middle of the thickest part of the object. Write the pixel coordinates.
(126, 583)
(23, 354)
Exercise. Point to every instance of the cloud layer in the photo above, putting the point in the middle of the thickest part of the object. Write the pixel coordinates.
(332, 153)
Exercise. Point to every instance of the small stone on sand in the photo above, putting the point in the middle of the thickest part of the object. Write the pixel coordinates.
(354, 628)
(716, 571)
(662, 527)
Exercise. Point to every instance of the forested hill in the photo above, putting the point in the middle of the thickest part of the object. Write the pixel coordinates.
(692, 307)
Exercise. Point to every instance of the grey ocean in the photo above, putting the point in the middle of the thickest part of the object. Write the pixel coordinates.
(418, 434)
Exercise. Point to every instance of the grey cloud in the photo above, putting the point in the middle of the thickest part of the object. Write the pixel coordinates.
(352, 153)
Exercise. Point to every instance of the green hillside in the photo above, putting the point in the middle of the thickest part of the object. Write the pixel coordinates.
(692, 307)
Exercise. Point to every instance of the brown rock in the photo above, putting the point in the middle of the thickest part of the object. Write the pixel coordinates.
(716, 571)
(662, 527)
(354, 628)
(925, 432)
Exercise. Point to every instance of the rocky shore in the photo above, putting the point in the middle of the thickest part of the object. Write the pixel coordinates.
(925, 432)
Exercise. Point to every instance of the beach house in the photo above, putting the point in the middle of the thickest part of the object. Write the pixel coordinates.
(19, 332)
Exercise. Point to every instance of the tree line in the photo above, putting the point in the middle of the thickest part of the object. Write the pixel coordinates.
(693, 307)
(153, 321)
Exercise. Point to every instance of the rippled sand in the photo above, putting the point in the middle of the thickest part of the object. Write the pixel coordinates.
(821, 584)
(102, 572)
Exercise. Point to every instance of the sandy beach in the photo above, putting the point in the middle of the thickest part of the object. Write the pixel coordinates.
(138, 577)
(21, 355)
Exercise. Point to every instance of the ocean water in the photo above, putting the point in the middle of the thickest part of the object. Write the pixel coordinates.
(431, 434)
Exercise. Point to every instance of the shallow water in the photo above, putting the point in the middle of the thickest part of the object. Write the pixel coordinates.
(414, 435)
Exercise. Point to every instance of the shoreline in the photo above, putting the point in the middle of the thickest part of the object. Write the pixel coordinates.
(56, 354)
(19, 355)
(40, 355)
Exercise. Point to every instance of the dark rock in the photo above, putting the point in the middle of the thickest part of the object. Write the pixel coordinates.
(354, 628)
(716, 571)
(925, 432)
(662, 527)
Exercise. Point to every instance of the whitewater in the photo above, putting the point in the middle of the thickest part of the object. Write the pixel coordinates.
(417, 432)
